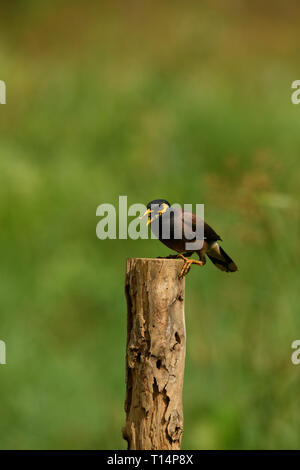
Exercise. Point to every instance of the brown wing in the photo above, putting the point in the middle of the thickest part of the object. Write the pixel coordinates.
(209, 233)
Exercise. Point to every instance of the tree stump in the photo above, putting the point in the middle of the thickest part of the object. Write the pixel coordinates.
(155, 354)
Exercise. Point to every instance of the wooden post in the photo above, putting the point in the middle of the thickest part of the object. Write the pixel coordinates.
(155, 354)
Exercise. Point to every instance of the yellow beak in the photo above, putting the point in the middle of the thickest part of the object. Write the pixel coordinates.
(147, 212)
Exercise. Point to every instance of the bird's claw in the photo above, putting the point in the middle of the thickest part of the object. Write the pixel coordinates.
(187, 265)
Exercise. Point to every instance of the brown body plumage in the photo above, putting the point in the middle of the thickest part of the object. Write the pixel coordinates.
(162, 215)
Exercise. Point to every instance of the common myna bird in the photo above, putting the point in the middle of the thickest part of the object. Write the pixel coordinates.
(167, 221)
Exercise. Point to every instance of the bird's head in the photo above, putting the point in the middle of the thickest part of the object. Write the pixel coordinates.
(155, 209)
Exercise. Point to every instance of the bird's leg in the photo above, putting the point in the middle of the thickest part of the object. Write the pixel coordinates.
(187, 265)
(188, 254)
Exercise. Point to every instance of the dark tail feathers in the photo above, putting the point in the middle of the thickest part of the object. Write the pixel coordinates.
(221, 259)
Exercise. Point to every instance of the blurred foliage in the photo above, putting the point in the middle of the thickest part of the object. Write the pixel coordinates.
(189, 101)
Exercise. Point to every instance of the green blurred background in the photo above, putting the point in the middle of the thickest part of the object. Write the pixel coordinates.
(188, 101)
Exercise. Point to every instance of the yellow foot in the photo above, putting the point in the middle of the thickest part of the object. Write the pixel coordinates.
(187, 265)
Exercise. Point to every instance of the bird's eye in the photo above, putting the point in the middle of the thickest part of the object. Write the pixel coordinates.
(164, 208)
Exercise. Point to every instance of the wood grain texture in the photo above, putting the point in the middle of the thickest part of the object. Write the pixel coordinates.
(155, 354)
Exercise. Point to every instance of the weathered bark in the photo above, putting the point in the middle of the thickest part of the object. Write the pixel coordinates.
(155, 354)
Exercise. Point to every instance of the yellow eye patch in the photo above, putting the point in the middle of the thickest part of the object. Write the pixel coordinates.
(165, 207)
